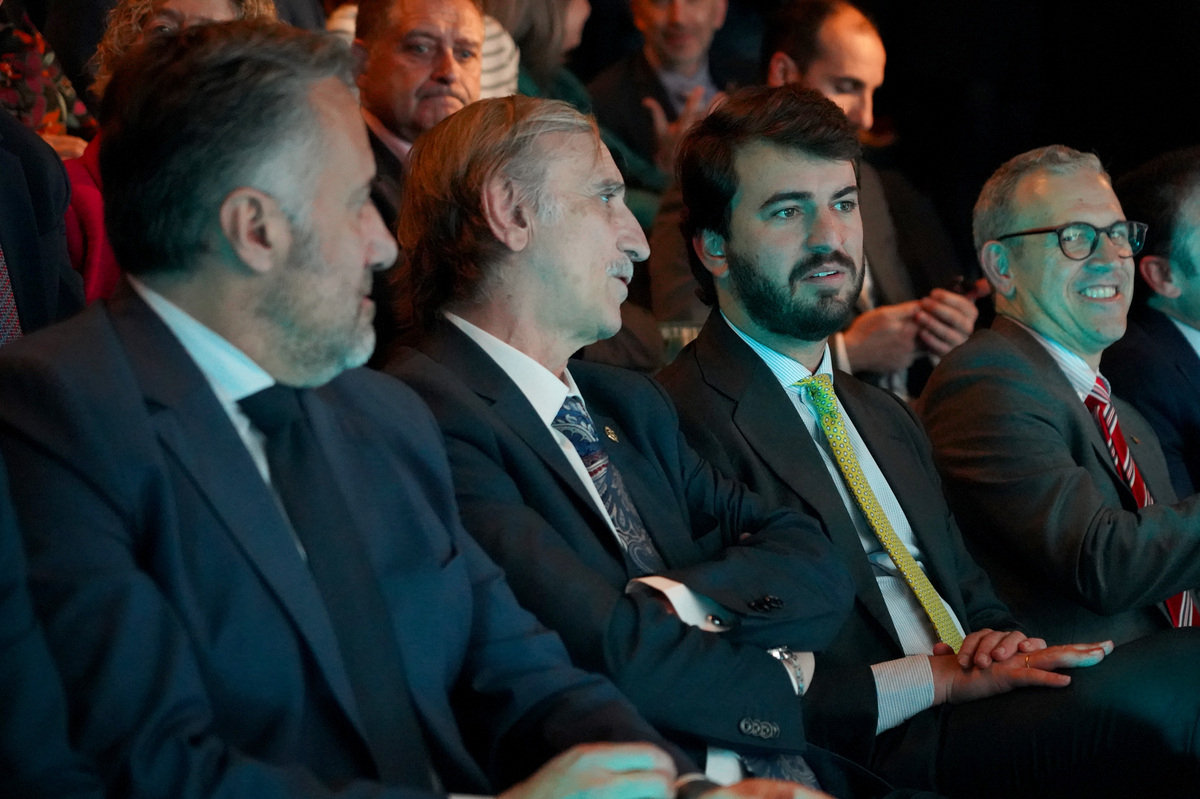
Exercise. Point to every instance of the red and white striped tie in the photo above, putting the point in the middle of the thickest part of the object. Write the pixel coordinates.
(1181, 607)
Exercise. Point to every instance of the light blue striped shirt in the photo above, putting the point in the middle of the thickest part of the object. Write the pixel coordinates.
(904, 687)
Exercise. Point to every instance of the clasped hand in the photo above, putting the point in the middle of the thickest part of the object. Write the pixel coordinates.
(991, 662)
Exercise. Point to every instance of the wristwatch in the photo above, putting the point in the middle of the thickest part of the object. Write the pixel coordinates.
(792, 663)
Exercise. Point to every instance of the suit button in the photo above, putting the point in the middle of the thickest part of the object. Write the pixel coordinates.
(758, 729)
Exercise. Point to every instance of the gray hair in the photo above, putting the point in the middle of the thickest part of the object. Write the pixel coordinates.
(190, 117)
(447, 245)
(994, 213)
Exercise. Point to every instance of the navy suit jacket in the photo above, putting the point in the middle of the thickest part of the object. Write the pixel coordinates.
(197, 654)
(35, 759)
(771, 570)
(1031, 480)
(736, 415)
(34, 193)
(1157, 371)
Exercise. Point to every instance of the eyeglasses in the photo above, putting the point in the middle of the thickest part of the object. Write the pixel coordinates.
(1078, 240)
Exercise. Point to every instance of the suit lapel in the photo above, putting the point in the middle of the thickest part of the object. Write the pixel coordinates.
(765, 416)
(454, 349)
(645, 485)
(196, 431)
(1057, 384)
(922, 505)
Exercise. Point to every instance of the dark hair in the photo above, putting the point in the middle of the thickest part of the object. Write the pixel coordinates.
(1154, 193)
(790, 117)
(447, 247)
(794, 26)
(190, 117)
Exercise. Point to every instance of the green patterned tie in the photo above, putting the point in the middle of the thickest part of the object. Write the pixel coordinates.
(820, 388)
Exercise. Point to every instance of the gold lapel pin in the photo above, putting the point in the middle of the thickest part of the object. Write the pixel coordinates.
(1135, 439)
(612, 434)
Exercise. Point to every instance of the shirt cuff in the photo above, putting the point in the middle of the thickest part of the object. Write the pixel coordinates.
(692, 609)
(903, 688)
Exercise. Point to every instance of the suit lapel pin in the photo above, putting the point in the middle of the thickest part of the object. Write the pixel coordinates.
(612, 434)
(1135, 439)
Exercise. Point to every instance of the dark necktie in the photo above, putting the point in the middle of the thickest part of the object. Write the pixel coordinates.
(574, 422)
(1180, 608)
(10, 323)
(342, 570)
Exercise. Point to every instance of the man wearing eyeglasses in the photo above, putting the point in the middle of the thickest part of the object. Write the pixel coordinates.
(1063, 489)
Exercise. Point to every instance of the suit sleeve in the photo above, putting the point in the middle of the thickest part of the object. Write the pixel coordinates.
(1004, 442)
(35, 757)
(138, 694)
(678, 677)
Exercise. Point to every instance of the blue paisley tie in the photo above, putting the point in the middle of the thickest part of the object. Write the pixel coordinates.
(574, 422)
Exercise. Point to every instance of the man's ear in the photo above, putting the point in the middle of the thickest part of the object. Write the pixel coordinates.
(995, 260)
(1156, 271)
(710, 247)
(508, 218)
(782, 70)
(256, 228)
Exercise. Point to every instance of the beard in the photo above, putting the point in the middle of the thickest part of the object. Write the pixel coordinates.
(776, 308)
(318, 334)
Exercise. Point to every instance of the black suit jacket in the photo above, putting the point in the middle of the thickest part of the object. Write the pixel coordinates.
(391, 292)
(735, 413)
(34, 193)
(35, 759)
(618, 91)
(1032, 483)
(520, 498)
(197, 653)
(1156, 370)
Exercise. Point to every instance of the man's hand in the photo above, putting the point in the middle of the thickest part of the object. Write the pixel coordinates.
(765, 789)
(667, 134)
(953, 683)
(883, 339)
(945, 320)
(601, 771)
(987, 646)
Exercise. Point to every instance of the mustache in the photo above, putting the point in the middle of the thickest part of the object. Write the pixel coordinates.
(814, 262)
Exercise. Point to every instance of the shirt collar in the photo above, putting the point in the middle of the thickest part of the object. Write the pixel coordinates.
(540, 386)
(232, 374)
(1081, 376)
(786, 370)
(397, 145)
(1190, 333)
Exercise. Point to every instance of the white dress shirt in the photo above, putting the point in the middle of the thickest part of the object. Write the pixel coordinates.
(904, 687)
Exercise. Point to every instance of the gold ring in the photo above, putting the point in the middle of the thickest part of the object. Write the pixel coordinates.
(1027, 661)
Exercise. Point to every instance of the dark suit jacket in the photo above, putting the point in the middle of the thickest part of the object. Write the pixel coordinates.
(618, 91)
(1039, 498)
(197, 654)
(520, 498)
(1155, 369)
(734, 412)
(33, 198)
(393, 303)
(35, 759)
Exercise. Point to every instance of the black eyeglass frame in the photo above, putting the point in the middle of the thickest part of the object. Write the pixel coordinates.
(1139, 227)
